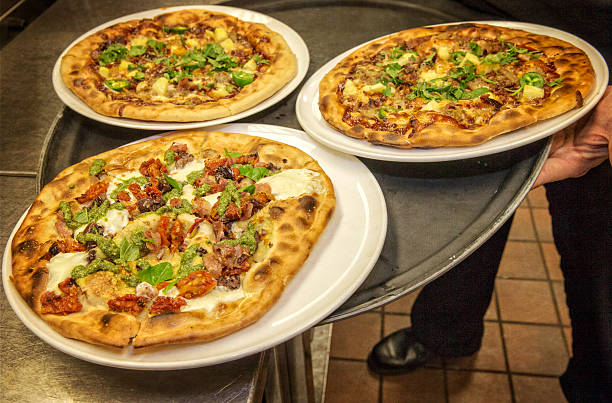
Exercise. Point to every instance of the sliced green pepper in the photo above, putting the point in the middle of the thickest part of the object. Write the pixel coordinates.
(242, 78)
(117, 85)
(532, 78)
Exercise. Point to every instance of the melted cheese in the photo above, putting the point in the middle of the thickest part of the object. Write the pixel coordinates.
(61, 265)
(188, 193)
(181, 174)
(118, 180)
(294, 183)
(114, 221)
(213, 298)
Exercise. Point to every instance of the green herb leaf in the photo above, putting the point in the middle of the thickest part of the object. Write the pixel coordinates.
(174, 183)
(475, 49)
(555, 83)
(156, 46)
(139, 76)
(156, 274)
(137, 50)
(429, 59)
(475, 93)
(259, 60)
(251, 172)
(128, 251)
(113, 53)
(231, 154)
(248, 189)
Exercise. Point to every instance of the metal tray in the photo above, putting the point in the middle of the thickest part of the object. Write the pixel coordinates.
(438, 212)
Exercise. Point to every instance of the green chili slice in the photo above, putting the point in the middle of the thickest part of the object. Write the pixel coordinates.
(117, 85)
(532, 78)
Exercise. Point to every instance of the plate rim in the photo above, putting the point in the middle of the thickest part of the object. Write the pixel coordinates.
(33, 322)
(75, 103)
(311, 121)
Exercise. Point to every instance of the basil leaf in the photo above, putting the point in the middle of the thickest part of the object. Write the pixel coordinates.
(156, 274)
(139, 76)
(174, 183)
(248, 189)
(231, 154)
(251, 172)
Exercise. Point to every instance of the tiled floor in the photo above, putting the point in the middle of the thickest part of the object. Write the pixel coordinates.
(526, 343)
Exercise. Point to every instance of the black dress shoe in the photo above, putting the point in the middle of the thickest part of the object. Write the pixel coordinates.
(398, 353)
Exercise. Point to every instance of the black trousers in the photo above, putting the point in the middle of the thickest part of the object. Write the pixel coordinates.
(447, 316)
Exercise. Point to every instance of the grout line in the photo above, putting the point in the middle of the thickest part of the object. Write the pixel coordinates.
(31, 174)
(503, 343)
(550, 286)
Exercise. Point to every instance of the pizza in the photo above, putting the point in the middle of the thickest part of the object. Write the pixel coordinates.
(185, 238)
(452, 85)
(188, 65)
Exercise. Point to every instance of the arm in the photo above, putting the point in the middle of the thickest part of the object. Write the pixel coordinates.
(581, 146)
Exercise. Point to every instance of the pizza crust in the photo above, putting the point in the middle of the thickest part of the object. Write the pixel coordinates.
(79, 73)
(297, 224)
(571, 64)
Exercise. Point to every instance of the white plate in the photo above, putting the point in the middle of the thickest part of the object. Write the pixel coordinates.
(309, 116)
(340, 261)
(295, 42)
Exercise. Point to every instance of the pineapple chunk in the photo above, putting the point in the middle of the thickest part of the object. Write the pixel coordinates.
(434, 105)
(142, 86)
(431, 75)
(192, 43)
(378, 87)
(123, 66)
(532, 92)
(104, 72)
(227, 45)
(210, 34)
(139, 41)
(443, 53)
(160, 86)
(486, 68)
(219, 92)
(349, 88)
(470, 57)
(251, 65)
(405, 59)
(177, 50)
(220, 34)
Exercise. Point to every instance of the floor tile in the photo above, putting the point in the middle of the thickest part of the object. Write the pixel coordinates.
(522, 226)
(526, 301)
(350, 382)
(535, 349)
(543, 225)
(422, 385)
(559, 290)
(552, 260)
(477, 387)
(528, 389)
(354, 337)
(403, 304)
(567, 331)
(537, 197)
(522, 260)
(491, 313)
(489, 357)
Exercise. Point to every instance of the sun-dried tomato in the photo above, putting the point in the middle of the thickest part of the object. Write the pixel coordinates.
(137, 191)
(178, 147)
(162, 229)
(153, 192)
(248, 159)
(129, 303)
(70, 245)
(152, 168)
(123, 196)
(94, 191)
(196, 284)
(166, 305)
(177, 236)
(66, 303)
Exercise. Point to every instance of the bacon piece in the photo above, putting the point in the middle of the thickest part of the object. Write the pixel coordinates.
(196, 284)
(70, 245)
(137, 191)
(177, 236)
(152, 168)
(123, 196)
(62, 228)
(162, 230)
(66, 303)
(166, 304)
(247, 211)
(94, 191)
(213, 264)
(195, 225)
(233, 258)
(129, 303)
(201, 207)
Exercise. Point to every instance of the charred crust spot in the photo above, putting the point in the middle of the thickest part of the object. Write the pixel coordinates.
(308, 203)
(28, 247)
(579, 99)
(121, 108)
(275, 261)
(284, 246)
(325, 102)
(286, 227)
(276, 212)
(261, 273)
(302, 222)
(356, 131)
(106, 319)
(78, 82)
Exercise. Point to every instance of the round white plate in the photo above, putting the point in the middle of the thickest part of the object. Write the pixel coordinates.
(340, 261)
(295, 42)
(309, 116)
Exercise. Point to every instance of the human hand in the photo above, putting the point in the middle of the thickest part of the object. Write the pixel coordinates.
(581, 146)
